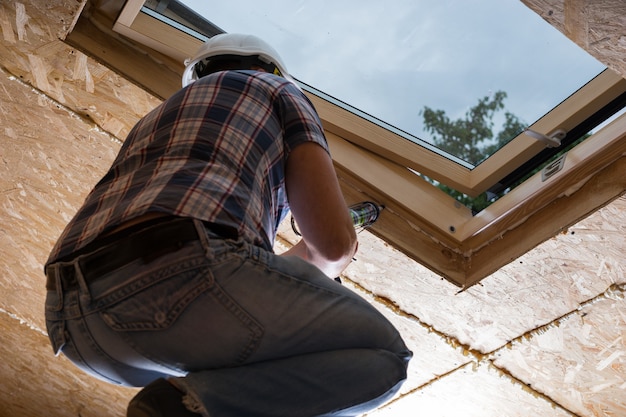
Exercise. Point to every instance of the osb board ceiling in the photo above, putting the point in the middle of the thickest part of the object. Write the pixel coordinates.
(597, 26)
(33, 51)
(542, 336)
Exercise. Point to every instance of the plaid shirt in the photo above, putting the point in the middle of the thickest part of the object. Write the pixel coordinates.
(215, 151)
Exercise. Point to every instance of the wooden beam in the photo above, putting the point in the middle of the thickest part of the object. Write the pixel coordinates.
(593, 175)
(603, 187)
(399, 187)
(156, 73)
(581, 163)
(150, 32)
(417, 222)
(419, 219)
(576, 24)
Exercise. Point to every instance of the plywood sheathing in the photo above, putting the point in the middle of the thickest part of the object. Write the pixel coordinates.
(34, 384)
(33, 51)
(549, 368)
(50, 159)
(595, 26)
(547, 282)
(580, 360)
(473, 391)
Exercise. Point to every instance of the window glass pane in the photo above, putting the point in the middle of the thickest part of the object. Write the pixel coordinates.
(395, 60)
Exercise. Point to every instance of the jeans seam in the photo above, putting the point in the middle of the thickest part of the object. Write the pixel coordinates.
(88, 337)
(254, 327)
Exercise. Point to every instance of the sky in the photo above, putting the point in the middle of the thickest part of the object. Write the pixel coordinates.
(391, 58)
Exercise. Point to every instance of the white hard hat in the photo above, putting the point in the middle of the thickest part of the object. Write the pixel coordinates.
(233, 44)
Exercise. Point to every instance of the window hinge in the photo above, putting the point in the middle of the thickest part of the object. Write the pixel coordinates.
(552, 140)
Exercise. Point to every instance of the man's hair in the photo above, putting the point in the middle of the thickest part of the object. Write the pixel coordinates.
(232, 62)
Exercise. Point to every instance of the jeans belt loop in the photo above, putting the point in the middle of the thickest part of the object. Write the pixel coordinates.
(90, 266)
(79, 278)
(153, 241)
(56, 276)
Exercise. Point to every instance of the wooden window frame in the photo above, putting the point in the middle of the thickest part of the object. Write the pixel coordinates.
(374, 163)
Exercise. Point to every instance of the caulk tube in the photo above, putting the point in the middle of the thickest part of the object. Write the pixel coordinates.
(364, 214)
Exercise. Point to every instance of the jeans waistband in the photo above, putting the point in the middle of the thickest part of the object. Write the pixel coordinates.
(146, 244)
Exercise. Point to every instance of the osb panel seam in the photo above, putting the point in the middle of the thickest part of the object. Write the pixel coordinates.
(613, 292)
(42, 95)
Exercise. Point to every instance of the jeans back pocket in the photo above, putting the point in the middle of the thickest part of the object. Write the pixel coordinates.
(156, 300)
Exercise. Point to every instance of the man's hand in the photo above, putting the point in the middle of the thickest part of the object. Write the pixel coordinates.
(317, 204)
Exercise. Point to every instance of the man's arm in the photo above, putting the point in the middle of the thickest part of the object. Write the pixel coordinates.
(328, 237)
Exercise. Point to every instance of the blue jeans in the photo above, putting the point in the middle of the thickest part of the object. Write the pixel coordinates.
(242, 331)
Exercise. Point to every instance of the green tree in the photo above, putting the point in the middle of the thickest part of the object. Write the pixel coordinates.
(472, 138)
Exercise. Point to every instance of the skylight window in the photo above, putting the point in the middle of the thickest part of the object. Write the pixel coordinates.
(394, 62)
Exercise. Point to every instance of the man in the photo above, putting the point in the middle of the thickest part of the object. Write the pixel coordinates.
(166, 278)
